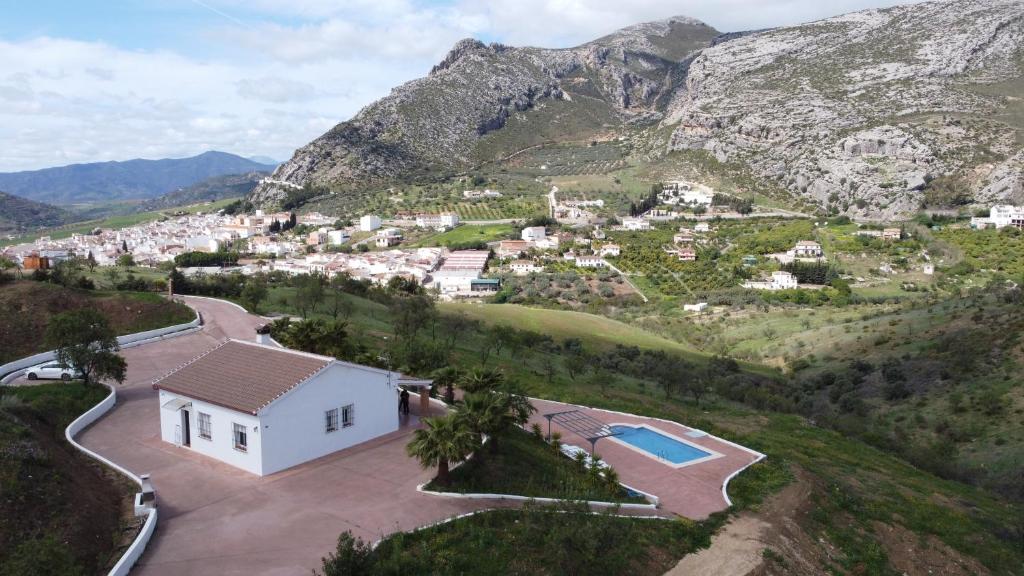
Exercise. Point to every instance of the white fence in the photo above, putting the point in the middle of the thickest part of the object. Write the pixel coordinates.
(12, 370)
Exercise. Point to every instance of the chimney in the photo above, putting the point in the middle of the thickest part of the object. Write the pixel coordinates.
(263, 335)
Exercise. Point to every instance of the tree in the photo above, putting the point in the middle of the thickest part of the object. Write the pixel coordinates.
(124, 245)
(309, 293)
(255, 291)
(126, 261)
(90, 260)
(445, 439)
(446, 378)
(84, 340)
(486, 414)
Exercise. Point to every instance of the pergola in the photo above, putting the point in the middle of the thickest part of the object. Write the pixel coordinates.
(582, 425)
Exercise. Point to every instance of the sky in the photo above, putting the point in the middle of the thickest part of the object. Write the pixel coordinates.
(97, 80)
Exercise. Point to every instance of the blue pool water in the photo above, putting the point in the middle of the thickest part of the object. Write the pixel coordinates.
(658, 445)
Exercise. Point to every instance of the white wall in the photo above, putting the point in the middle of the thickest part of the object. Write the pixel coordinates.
(221, 444)
(293, 426)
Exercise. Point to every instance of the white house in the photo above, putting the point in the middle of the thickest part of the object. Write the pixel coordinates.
(443, 220)
(807, 249)
(636, 224)
(524, 267)
(590, 262)
(698, 307)
(781, 280)
(265, 409)
(610, 250)
(369, 223)
(533, 233)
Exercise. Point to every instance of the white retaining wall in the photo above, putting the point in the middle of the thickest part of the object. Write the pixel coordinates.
(124, 565)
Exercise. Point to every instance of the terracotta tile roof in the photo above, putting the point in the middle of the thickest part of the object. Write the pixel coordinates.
(242, 376)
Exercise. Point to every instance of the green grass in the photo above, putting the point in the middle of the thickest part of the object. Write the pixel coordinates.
(466, 234)
(526, 465)
(597, 331)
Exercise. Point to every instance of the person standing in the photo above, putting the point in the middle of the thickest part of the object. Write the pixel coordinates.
(403, 402)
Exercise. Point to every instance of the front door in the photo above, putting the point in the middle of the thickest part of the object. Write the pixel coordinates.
(185, 435)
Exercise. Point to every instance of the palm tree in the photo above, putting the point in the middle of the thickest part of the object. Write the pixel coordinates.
(446, 439)
(487, 414)
(481, 380)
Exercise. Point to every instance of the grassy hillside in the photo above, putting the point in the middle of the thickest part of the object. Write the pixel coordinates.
(854, 495)
(26, 306)
(18, 214)
(61, 511)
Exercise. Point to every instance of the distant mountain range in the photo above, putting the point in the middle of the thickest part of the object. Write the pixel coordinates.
(209, 190)
(128, 180)
(869, 114)
(19, 214)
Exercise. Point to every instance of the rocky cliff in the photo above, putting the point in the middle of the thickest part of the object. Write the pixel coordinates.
(857, 113)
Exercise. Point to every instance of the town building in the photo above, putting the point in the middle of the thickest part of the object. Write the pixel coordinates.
(445, 220)
(265, 409)
(533, 233)
(369, 223)
(524, 267)
(636, 224)
(1001, 216)
(336, 237)
(388, 237)
(460, 268)
(609, 250)
(513, 248)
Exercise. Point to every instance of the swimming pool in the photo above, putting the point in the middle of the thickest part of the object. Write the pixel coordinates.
(658, 445)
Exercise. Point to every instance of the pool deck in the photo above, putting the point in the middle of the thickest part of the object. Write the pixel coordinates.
(693, 490)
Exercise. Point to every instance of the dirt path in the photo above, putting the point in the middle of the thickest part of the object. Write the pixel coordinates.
(738, 549)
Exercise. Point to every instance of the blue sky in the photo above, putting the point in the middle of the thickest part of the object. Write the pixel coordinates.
(91, 80)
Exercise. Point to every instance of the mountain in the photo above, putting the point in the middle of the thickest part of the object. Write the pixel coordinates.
(872, 114)
(209, 190)
(18, 214)
(129, 180)
(458, 115)
(265, 160)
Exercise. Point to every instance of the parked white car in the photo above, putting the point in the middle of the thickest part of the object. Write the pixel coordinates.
(51, 371)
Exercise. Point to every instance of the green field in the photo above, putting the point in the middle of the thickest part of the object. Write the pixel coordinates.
(467, 233)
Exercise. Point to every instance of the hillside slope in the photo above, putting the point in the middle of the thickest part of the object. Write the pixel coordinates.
(873, 113)
(209, 190)
(18, 214)
(129, 180)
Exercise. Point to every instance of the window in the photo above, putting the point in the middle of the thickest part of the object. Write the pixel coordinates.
(241, 441)
(204, 426)
(348, 415)
(331, 420)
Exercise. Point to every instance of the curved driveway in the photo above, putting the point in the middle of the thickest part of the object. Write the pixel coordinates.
(216, 519)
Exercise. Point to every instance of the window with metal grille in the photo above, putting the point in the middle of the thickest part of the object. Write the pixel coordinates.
(348, 415)
(241, 439)
(331, 420)
(205, 429)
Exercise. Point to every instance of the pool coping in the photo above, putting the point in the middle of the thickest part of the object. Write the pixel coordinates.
(712, 454)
